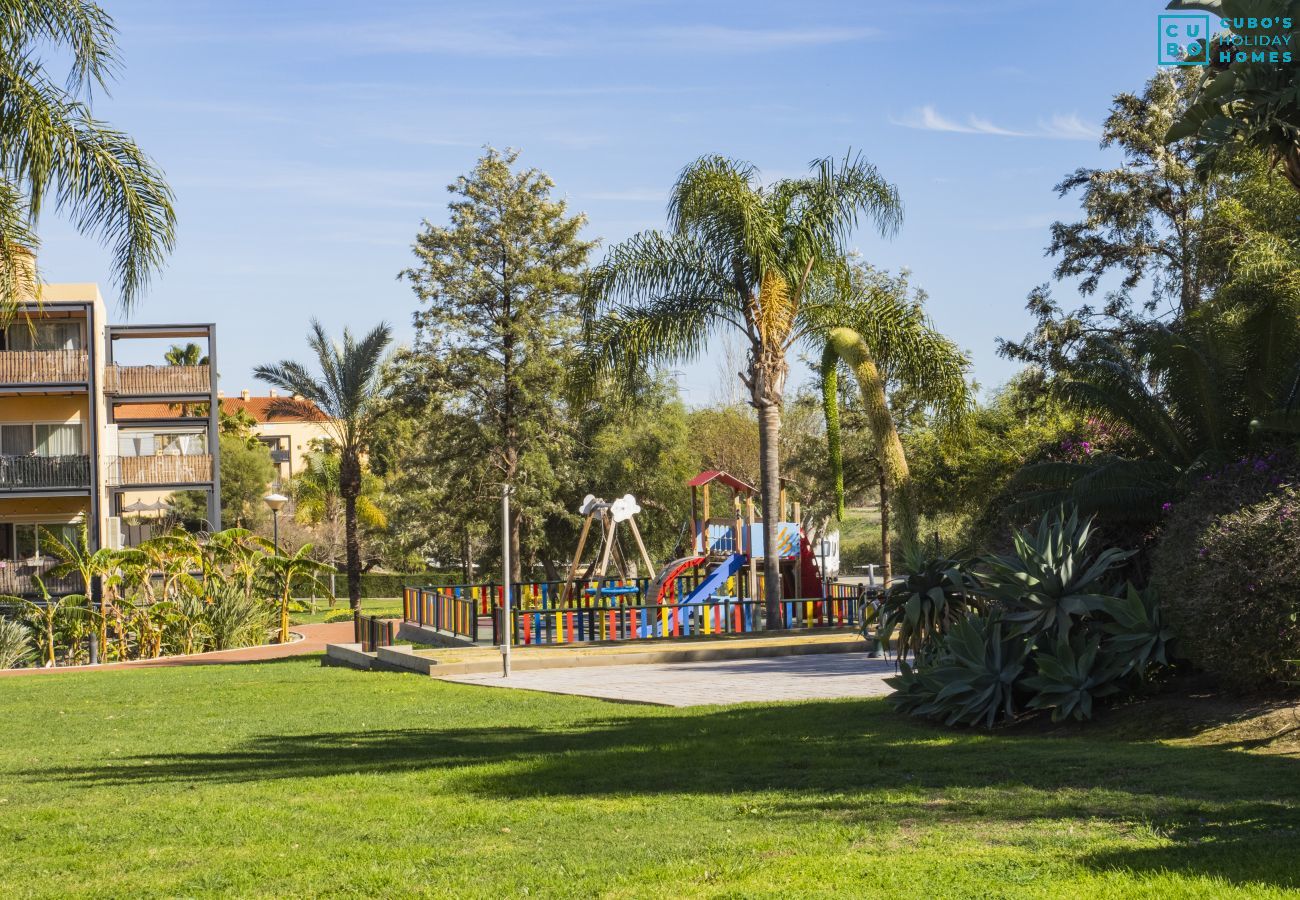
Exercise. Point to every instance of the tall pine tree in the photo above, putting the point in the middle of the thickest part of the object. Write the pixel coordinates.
(498, 288)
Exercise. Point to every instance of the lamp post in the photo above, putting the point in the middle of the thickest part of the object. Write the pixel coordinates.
(505, 580)
(276, 503)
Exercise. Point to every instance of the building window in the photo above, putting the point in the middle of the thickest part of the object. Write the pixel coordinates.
(43, 336)
(28, 439)
(20, 541)
(162, 443)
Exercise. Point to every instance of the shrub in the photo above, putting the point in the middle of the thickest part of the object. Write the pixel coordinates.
(1052, 579)
(934, 593)
(235, 619)
(1052, 635)
(1226, 574)
(970, 680)
(15, 643)
(339, 615)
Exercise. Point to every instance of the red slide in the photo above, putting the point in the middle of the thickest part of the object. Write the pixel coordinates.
(810, 579)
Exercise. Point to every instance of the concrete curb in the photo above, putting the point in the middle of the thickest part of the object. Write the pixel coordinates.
(403, 658)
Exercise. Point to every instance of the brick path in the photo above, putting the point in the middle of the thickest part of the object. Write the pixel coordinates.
(315, 637)
(816, 677)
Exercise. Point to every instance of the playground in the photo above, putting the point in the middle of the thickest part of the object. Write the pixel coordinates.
(613, 592)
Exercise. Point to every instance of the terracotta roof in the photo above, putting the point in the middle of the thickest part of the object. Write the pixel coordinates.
(730, 481)
(260, 408)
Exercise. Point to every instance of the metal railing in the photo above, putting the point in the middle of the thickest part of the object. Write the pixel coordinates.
(373, 632)
(18, 579)
(166, 469)
(152, 381)
(43, 367)
(38, 472)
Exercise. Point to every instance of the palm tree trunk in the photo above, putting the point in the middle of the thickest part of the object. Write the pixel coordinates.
(886, 560)
(769, 438)
(889, 447)
(350, 488)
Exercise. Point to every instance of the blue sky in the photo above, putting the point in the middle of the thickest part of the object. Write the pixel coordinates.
(307, 141)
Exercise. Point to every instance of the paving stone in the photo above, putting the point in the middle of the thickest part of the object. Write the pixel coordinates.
(814, 677)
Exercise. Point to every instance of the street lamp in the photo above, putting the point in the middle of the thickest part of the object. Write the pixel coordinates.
(276, 503)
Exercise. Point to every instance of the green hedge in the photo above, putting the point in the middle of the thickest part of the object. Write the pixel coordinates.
(379, 584)
(1225, 572)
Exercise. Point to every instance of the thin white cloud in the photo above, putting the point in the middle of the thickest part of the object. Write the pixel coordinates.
(1061, 127)
(743, 40)
(495, 37)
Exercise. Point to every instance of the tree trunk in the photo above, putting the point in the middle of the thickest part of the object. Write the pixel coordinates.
(889, 447)
(350, 488)
(516, 565)
(769, 437)
(467, 566)
(886, 558)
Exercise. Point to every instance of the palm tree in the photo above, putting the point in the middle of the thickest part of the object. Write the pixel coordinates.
(51, 143)
(346, 393)
(742, 255)
(886, 339)
(283, 572)
(318, 498)
(1255, 103)
(188, 354)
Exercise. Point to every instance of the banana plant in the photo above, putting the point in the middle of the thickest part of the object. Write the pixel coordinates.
(46, 613)
(282, 573)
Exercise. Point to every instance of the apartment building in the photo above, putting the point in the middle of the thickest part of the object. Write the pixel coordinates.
(290, 434)
(70, 448)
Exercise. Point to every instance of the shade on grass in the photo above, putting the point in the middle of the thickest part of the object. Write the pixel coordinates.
(285, 778)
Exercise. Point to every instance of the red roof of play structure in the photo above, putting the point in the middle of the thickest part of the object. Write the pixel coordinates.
(730, 481)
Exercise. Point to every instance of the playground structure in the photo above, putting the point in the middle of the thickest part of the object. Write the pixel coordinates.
(716, 587)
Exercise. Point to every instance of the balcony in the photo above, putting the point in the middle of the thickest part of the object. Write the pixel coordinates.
(34, 473)
(42, 367)
(157, 381)
(163, 470)
(19, 578)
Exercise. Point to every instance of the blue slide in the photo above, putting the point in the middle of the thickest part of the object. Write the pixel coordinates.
(706, 589)
(717, 578)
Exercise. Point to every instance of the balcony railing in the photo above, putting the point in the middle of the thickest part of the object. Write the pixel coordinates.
(43, 366)
(155, 381)
(19, 473)
(19, 578)
(169, 469)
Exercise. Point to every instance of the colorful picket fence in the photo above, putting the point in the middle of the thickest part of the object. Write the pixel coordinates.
(627, 622)
(441, 609)
(618, 610)
(373, 632)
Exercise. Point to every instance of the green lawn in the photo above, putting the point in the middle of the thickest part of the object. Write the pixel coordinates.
(288, 779)
(371, 606)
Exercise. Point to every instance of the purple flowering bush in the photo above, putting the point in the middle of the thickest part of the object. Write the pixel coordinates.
(1227, 571)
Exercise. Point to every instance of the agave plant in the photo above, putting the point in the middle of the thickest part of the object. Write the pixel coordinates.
(972, 680)
(15, 643)
(1053, 579)
(1071, 675)
(1137, 634)
(936, 592)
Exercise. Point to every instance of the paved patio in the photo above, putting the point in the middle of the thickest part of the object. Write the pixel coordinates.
(815, 677)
